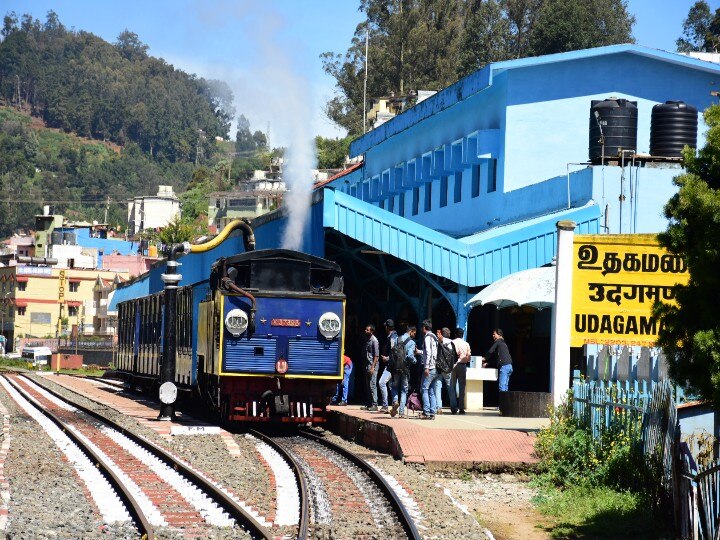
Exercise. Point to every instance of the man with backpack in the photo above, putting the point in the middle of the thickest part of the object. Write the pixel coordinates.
(445, 362)
(385, 380)
(430, 379)
(402, 358)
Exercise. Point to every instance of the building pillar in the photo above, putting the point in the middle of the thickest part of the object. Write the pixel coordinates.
(561, 320)
(461, 310)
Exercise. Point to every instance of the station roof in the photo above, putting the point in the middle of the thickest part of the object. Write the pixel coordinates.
(483, 78)
(472, 261)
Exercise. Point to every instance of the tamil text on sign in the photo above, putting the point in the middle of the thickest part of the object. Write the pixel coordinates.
(616, 281)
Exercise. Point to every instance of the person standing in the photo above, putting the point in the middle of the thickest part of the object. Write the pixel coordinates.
(401, 375)
(499, 355)
(459, 372)
(429, 377)
(372, 353)
(444, 364)
(386, 377)
(341, 396)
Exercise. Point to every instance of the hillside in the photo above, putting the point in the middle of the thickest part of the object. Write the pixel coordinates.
(86, 125)
(78, 176)
(75, 81)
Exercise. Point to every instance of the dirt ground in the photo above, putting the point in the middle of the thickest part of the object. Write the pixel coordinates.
(501, 503)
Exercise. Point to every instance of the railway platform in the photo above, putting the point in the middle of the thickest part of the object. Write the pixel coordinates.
(482, 439)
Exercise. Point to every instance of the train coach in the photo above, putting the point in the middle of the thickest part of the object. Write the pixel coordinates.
(259, 340)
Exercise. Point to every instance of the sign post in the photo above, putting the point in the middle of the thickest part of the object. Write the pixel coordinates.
(560, 342)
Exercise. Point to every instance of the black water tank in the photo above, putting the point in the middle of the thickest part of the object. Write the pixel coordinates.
(673, 125)
(56, 238)
(69, 238)
(615, 120)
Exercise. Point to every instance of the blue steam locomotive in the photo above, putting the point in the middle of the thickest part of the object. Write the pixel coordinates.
(259, 341)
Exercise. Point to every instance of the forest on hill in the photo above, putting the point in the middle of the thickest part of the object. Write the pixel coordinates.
(86, 125)
(78, 82)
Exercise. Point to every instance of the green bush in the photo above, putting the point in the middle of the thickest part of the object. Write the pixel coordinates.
(571, 456)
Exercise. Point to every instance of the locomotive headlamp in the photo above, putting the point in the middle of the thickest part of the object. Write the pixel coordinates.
(329, 325)
(236, 322)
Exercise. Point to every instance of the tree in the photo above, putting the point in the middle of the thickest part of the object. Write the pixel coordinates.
(412, 45)
(690, 330)
(130, 46)
(486, 36)
(428, 44)
(331, 153)
(568, 25)
(701, 30)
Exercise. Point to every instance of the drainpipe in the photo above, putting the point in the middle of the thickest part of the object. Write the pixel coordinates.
(171, 279)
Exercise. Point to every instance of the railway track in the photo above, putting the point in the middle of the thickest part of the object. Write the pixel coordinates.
(155, 488)
(332, 481)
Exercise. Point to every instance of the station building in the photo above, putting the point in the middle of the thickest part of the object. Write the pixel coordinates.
(467, 186)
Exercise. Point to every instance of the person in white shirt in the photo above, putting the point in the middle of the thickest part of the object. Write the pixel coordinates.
(460, 370)
(429, 379)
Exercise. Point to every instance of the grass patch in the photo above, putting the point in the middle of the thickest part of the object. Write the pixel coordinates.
(598, 512)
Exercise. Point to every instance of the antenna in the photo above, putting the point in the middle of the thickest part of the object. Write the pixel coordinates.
(367, 40)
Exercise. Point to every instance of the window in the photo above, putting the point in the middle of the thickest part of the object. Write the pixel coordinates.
(401, 209)
(443, 191)
(21, 311)
(458, 186)
(391, 204)
(74, 286)
(72, 311)
(381, 204)
(492, 177)
(21, 285)
(416, 201)
(475, 170)
(428, 196)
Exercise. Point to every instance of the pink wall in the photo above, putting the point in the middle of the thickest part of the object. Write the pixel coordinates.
(135, 264)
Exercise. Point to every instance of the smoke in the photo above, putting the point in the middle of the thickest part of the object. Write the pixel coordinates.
(272, 88)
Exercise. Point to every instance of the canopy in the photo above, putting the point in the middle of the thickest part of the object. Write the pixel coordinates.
(534, 287)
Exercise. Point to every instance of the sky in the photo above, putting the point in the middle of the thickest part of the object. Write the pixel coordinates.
(268, 51)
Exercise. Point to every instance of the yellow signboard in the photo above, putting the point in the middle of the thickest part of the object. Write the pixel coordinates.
(61, 287)
(616, 280)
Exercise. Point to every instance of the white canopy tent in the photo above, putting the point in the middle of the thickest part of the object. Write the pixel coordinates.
(534, 287)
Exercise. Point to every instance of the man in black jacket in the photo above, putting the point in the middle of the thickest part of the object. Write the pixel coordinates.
(499, 355)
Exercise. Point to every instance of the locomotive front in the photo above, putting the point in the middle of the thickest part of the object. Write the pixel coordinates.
(271, 349)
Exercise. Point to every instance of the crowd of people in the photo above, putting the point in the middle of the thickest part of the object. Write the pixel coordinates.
(408, 370)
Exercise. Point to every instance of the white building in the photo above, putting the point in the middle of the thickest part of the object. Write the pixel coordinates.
(152, 212)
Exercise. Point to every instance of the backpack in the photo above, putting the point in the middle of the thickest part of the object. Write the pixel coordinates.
(446, 358)
(414, 403)
(397, 357)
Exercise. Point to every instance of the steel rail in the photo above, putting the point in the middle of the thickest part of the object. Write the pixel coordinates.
(304, 523)
(241, 516)
(141, 521)
(406, 520)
